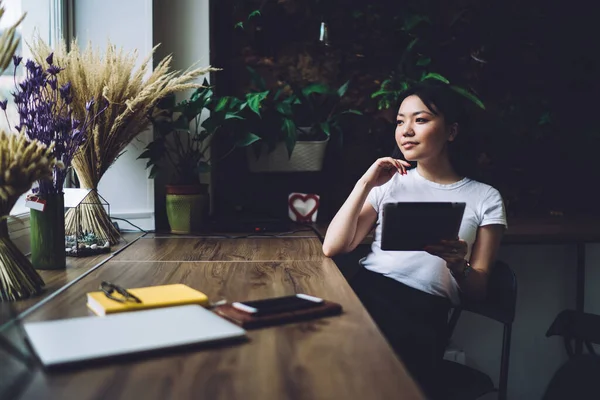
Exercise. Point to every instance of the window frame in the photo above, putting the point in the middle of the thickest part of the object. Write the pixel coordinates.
(61, 25)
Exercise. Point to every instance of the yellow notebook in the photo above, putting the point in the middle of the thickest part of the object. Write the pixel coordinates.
(151, 297)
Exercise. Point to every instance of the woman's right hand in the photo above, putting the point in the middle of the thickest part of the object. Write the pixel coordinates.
(383, 170)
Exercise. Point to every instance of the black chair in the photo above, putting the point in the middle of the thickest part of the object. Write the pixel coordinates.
(578, 377)
(463, 382)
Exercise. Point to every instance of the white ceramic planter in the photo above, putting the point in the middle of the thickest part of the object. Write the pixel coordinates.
(307, 156)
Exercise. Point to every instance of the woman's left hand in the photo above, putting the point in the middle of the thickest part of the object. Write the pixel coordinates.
(451, 251)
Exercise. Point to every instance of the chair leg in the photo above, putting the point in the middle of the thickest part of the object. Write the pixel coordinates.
(503, 384)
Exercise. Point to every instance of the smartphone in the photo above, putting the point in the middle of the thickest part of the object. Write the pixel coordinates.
(299, 301)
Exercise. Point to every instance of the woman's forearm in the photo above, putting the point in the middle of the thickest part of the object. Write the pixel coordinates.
(474, 285)
(342, 229)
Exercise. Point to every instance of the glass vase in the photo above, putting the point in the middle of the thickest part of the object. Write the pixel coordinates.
(48, 234)
(18, 279)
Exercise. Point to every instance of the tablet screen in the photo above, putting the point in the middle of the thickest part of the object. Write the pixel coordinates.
(410, 226)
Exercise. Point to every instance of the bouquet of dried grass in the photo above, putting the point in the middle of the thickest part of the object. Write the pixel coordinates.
(22, 162)
(131, 99)
(8, 41)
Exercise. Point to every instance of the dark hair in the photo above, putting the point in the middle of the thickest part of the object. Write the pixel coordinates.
(440, 99)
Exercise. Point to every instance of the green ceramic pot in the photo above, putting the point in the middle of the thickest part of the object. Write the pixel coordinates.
(187, 208)
(47, 233)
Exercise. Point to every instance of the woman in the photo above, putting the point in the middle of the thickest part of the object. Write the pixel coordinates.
(409, 293)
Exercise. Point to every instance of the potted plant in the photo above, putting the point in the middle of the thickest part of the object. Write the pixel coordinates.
(182, 147)
(294, 125)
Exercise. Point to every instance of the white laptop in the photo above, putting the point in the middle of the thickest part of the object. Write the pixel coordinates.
(76, 340)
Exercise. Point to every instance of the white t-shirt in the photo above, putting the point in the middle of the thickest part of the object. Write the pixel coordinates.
(419, 269)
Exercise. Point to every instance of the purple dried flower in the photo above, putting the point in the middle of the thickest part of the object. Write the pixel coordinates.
(65, 90)
(3, 104)
(89, 104)
(45, 114)
(53, 70)
(30, 65)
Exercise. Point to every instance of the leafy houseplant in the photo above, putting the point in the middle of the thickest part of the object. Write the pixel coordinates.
(286, 117)
(415, 65)
(182, 145)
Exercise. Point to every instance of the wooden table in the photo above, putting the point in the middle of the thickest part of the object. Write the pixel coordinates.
(341, 357)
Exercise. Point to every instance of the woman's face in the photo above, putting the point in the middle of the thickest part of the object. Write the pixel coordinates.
(420, 134)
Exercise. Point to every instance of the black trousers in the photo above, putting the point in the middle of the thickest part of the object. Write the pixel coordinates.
(415, 324)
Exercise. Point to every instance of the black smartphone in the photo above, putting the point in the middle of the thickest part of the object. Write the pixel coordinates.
(274, 305)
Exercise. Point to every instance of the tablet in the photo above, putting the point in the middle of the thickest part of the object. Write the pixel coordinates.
(410, 226)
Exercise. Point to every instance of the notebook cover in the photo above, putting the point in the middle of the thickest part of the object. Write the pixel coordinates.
(249, 321)
(125, 335)
(151, 297)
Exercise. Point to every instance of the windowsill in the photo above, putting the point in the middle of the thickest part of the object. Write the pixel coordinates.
(18, 219)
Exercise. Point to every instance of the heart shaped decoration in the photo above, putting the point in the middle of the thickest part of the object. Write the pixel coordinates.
(303, 207)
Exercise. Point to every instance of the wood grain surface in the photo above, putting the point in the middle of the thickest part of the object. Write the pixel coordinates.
(76, 266)
(340, 357)
(222, 249)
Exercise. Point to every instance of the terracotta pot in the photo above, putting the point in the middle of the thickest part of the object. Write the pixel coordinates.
(187, 189)
(187, 207)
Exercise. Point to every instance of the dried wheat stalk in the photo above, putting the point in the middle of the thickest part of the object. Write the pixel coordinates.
(113, 77)
(8, 41)
(22, 162)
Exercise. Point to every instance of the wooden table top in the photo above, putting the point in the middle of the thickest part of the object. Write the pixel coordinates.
(55, 280)
(340, 357)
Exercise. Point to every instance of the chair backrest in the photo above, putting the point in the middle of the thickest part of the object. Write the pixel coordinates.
(501, 298)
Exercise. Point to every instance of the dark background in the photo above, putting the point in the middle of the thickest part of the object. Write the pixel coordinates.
(534, 64)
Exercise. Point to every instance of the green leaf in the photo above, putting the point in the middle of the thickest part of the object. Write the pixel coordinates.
(289, 129)
(253, 14)
(239, 25)
(325, 128)
(284, 109)
(146, 154)
(351, 111)
(232, 116)
(342, 90)
(468, 95)
(221, 104)
(153, 172)
(247, 140)
(544, 118)
(424, 61)
(380, 93)
(254, 100)
(257, 79)
(411, 45)
(411, 21)
(319, 88)
(211, 124)
(433, 75)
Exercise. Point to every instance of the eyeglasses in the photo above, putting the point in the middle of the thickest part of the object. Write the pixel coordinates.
(110, 288)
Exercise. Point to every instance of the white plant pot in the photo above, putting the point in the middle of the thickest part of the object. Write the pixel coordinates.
(307, 156)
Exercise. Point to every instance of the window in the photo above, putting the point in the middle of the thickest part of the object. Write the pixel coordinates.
(11, 15)
(44, 18)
